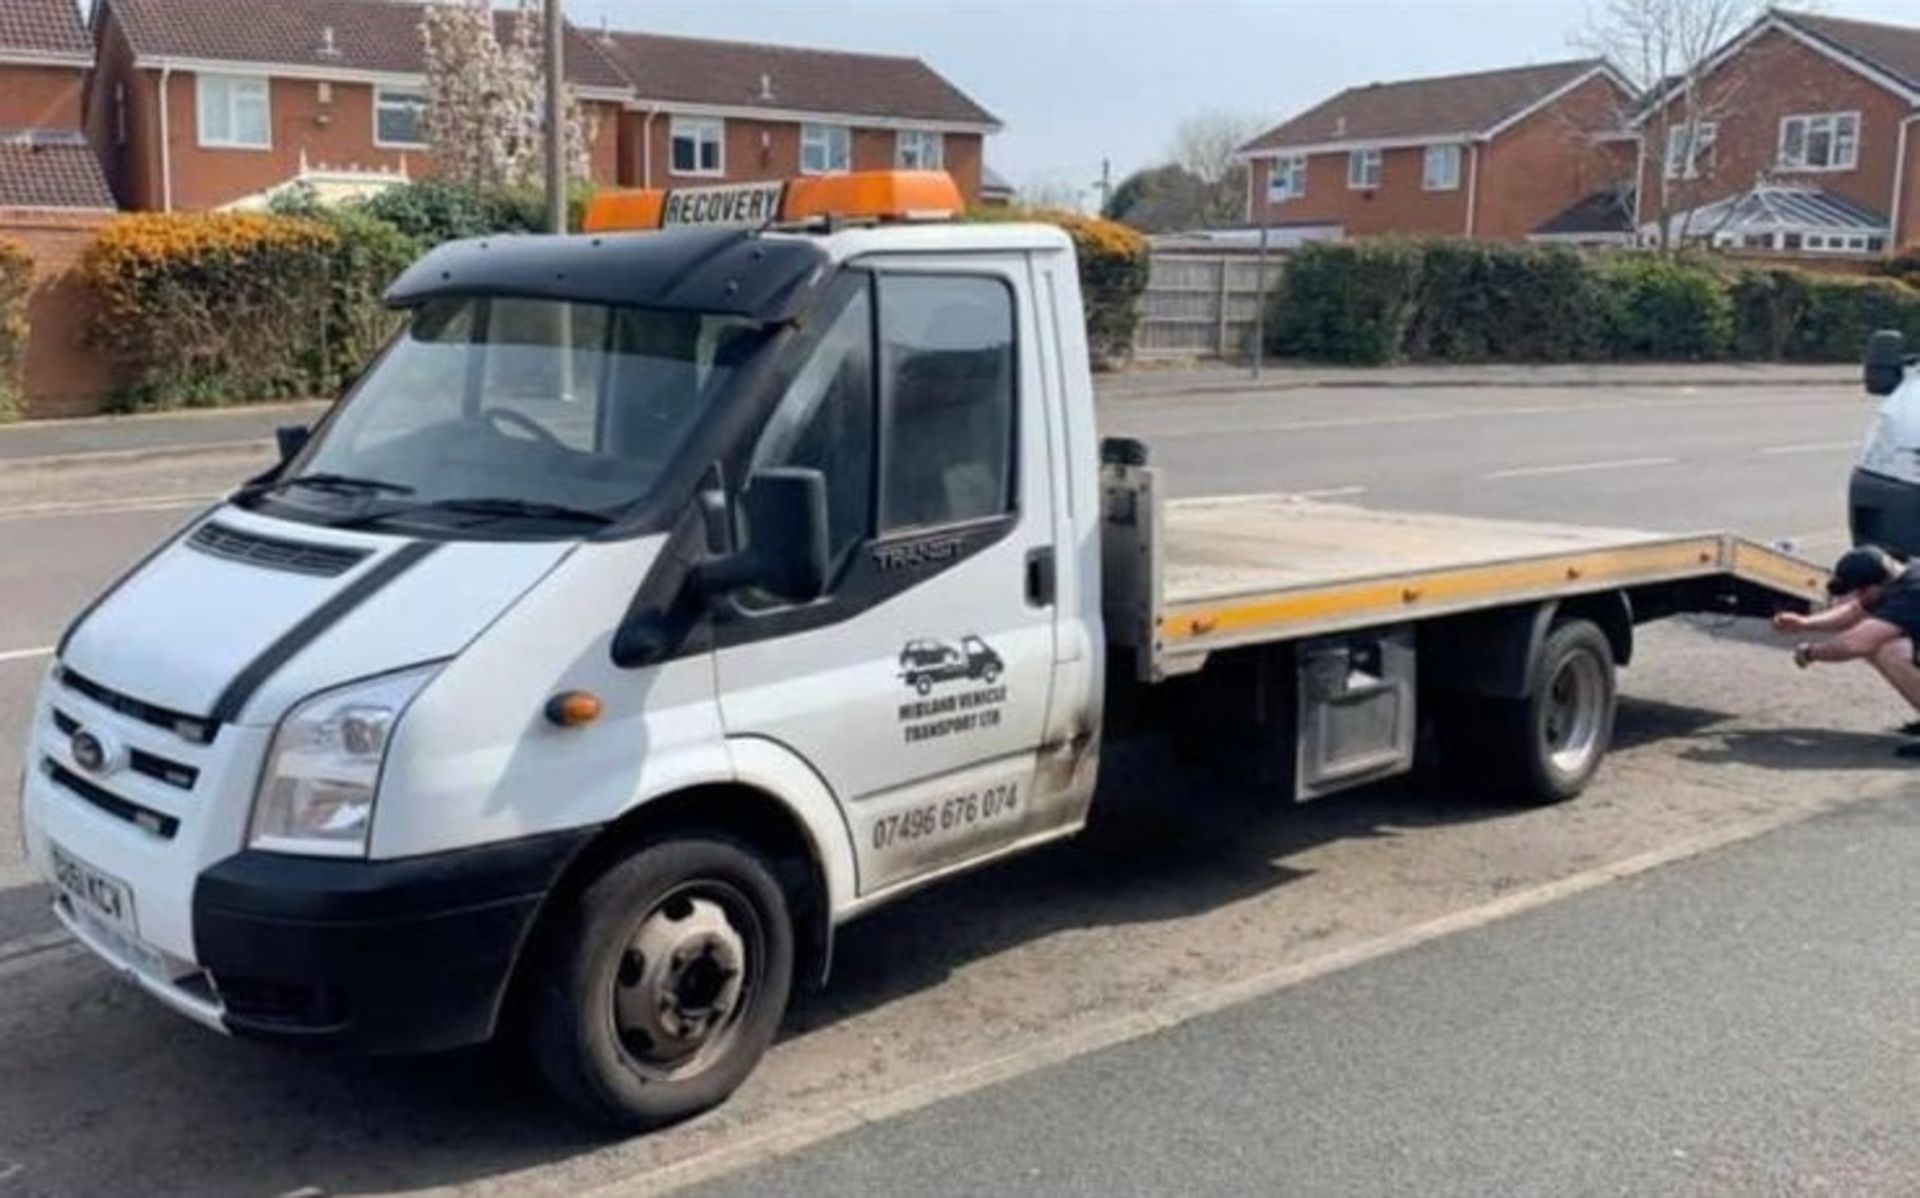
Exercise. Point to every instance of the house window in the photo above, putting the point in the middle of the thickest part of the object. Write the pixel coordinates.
(1443, 168)
(1686, 153)
(1288, 180)
(1363, 169)
(399, 118)
(234, 112)
(696, 146)
(825, 149)
(919, 150)
(1820, 142)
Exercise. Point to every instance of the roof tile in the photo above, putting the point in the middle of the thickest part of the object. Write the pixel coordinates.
(1894, 49)
(699, 71)
(39, 27)
(1442, 106)
(367, 35)
(41, 169)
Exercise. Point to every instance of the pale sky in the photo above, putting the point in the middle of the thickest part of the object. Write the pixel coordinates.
(1075, 81)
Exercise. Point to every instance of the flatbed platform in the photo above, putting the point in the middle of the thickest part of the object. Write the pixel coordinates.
(1190, 577)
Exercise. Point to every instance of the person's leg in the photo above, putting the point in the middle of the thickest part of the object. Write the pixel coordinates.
(1894, 660)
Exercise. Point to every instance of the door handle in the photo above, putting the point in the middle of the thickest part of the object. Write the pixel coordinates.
(1040, 576)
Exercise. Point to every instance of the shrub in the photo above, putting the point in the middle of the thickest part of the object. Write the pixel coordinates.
(1483, 301)
(1842, 312)
(1904, 266)
(16, 284)
(432, 211)
(1350, 302)
(205, 308)
(1665, 308)
(1767, 306)
(367, 255)
(1113, 274)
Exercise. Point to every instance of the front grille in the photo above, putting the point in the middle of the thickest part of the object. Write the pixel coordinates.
(197, 729)
(154, 766)
(275, 553)
(144, 818)
(161, 770)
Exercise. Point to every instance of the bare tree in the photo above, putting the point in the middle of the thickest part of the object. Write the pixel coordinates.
(1203, 146)
(486, 104)
(1668, 48)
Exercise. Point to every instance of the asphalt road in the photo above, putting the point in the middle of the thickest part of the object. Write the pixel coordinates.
(1178, 894)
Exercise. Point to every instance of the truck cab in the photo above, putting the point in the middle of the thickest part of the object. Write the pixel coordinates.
(1883, 495)
(656, 601)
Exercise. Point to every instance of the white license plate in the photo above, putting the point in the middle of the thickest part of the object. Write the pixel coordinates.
(107, 900)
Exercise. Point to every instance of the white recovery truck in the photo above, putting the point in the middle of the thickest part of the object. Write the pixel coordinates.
(660, 601)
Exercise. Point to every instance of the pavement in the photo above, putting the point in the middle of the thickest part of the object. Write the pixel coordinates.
(1189, 911)
(1747, 1024)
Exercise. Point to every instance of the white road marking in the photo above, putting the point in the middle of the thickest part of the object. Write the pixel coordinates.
(786, 1137)
(1811, 447)
(25, 654)
(91, 507)
(1580, 467)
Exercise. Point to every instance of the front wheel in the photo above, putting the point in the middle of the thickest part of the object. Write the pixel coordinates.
(664, 984)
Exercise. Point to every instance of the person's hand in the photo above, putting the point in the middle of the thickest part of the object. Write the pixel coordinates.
(1789, 621)
(1803, 655)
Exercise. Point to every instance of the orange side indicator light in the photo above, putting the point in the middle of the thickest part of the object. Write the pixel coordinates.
(571, 709)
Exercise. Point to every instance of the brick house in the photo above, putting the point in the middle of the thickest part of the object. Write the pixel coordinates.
(203, 103)
(1494, 154)
(707, 111)
(1801, 134)
(200, 103)
(45, 164)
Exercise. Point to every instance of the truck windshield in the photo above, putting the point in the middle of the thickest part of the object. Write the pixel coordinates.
(544, 414)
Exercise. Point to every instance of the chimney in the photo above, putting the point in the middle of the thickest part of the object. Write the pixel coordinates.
(606, 31)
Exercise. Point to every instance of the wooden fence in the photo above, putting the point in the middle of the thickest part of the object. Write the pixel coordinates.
(1201, 305)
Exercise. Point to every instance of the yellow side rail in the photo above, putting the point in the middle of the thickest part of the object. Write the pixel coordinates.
(1208, 624)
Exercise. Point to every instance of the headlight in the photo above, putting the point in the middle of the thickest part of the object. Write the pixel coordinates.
(317, 794)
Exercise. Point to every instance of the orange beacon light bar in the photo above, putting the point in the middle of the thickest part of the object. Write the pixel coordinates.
(859, 196)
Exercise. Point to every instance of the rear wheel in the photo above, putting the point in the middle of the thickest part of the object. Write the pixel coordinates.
(1546, 747)
(665, 983)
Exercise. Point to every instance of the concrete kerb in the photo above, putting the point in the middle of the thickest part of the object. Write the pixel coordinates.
(1123, 387)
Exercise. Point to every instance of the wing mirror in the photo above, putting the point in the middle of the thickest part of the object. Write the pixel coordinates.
(291, 439)
(783, 524)
(1886, 362)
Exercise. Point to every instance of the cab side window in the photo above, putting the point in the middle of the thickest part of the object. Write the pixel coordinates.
(825, 422)
(946, 400)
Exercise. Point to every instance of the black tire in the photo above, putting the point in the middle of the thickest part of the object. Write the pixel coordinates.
(602, 1067)
(1545, 748)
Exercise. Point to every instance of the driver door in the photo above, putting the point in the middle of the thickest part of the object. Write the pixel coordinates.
(918, 686)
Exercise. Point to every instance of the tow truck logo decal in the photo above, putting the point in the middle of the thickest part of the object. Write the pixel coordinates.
(928, 664)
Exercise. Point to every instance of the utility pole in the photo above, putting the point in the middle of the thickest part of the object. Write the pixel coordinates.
(1105, 185)
(556, 118)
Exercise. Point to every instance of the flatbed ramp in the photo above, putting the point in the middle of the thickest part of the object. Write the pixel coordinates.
(1196, 576)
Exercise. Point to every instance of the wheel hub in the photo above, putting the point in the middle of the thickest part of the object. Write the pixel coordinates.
(680, 979)
(1574, 713)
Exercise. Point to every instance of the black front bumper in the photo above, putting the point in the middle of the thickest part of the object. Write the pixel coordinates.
(412, 955)
(1885, 512)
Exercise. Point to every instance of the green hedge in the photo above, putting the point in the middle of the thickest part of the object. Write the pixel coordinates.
(16, 284)
(1113, 274)
(1370, 302)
